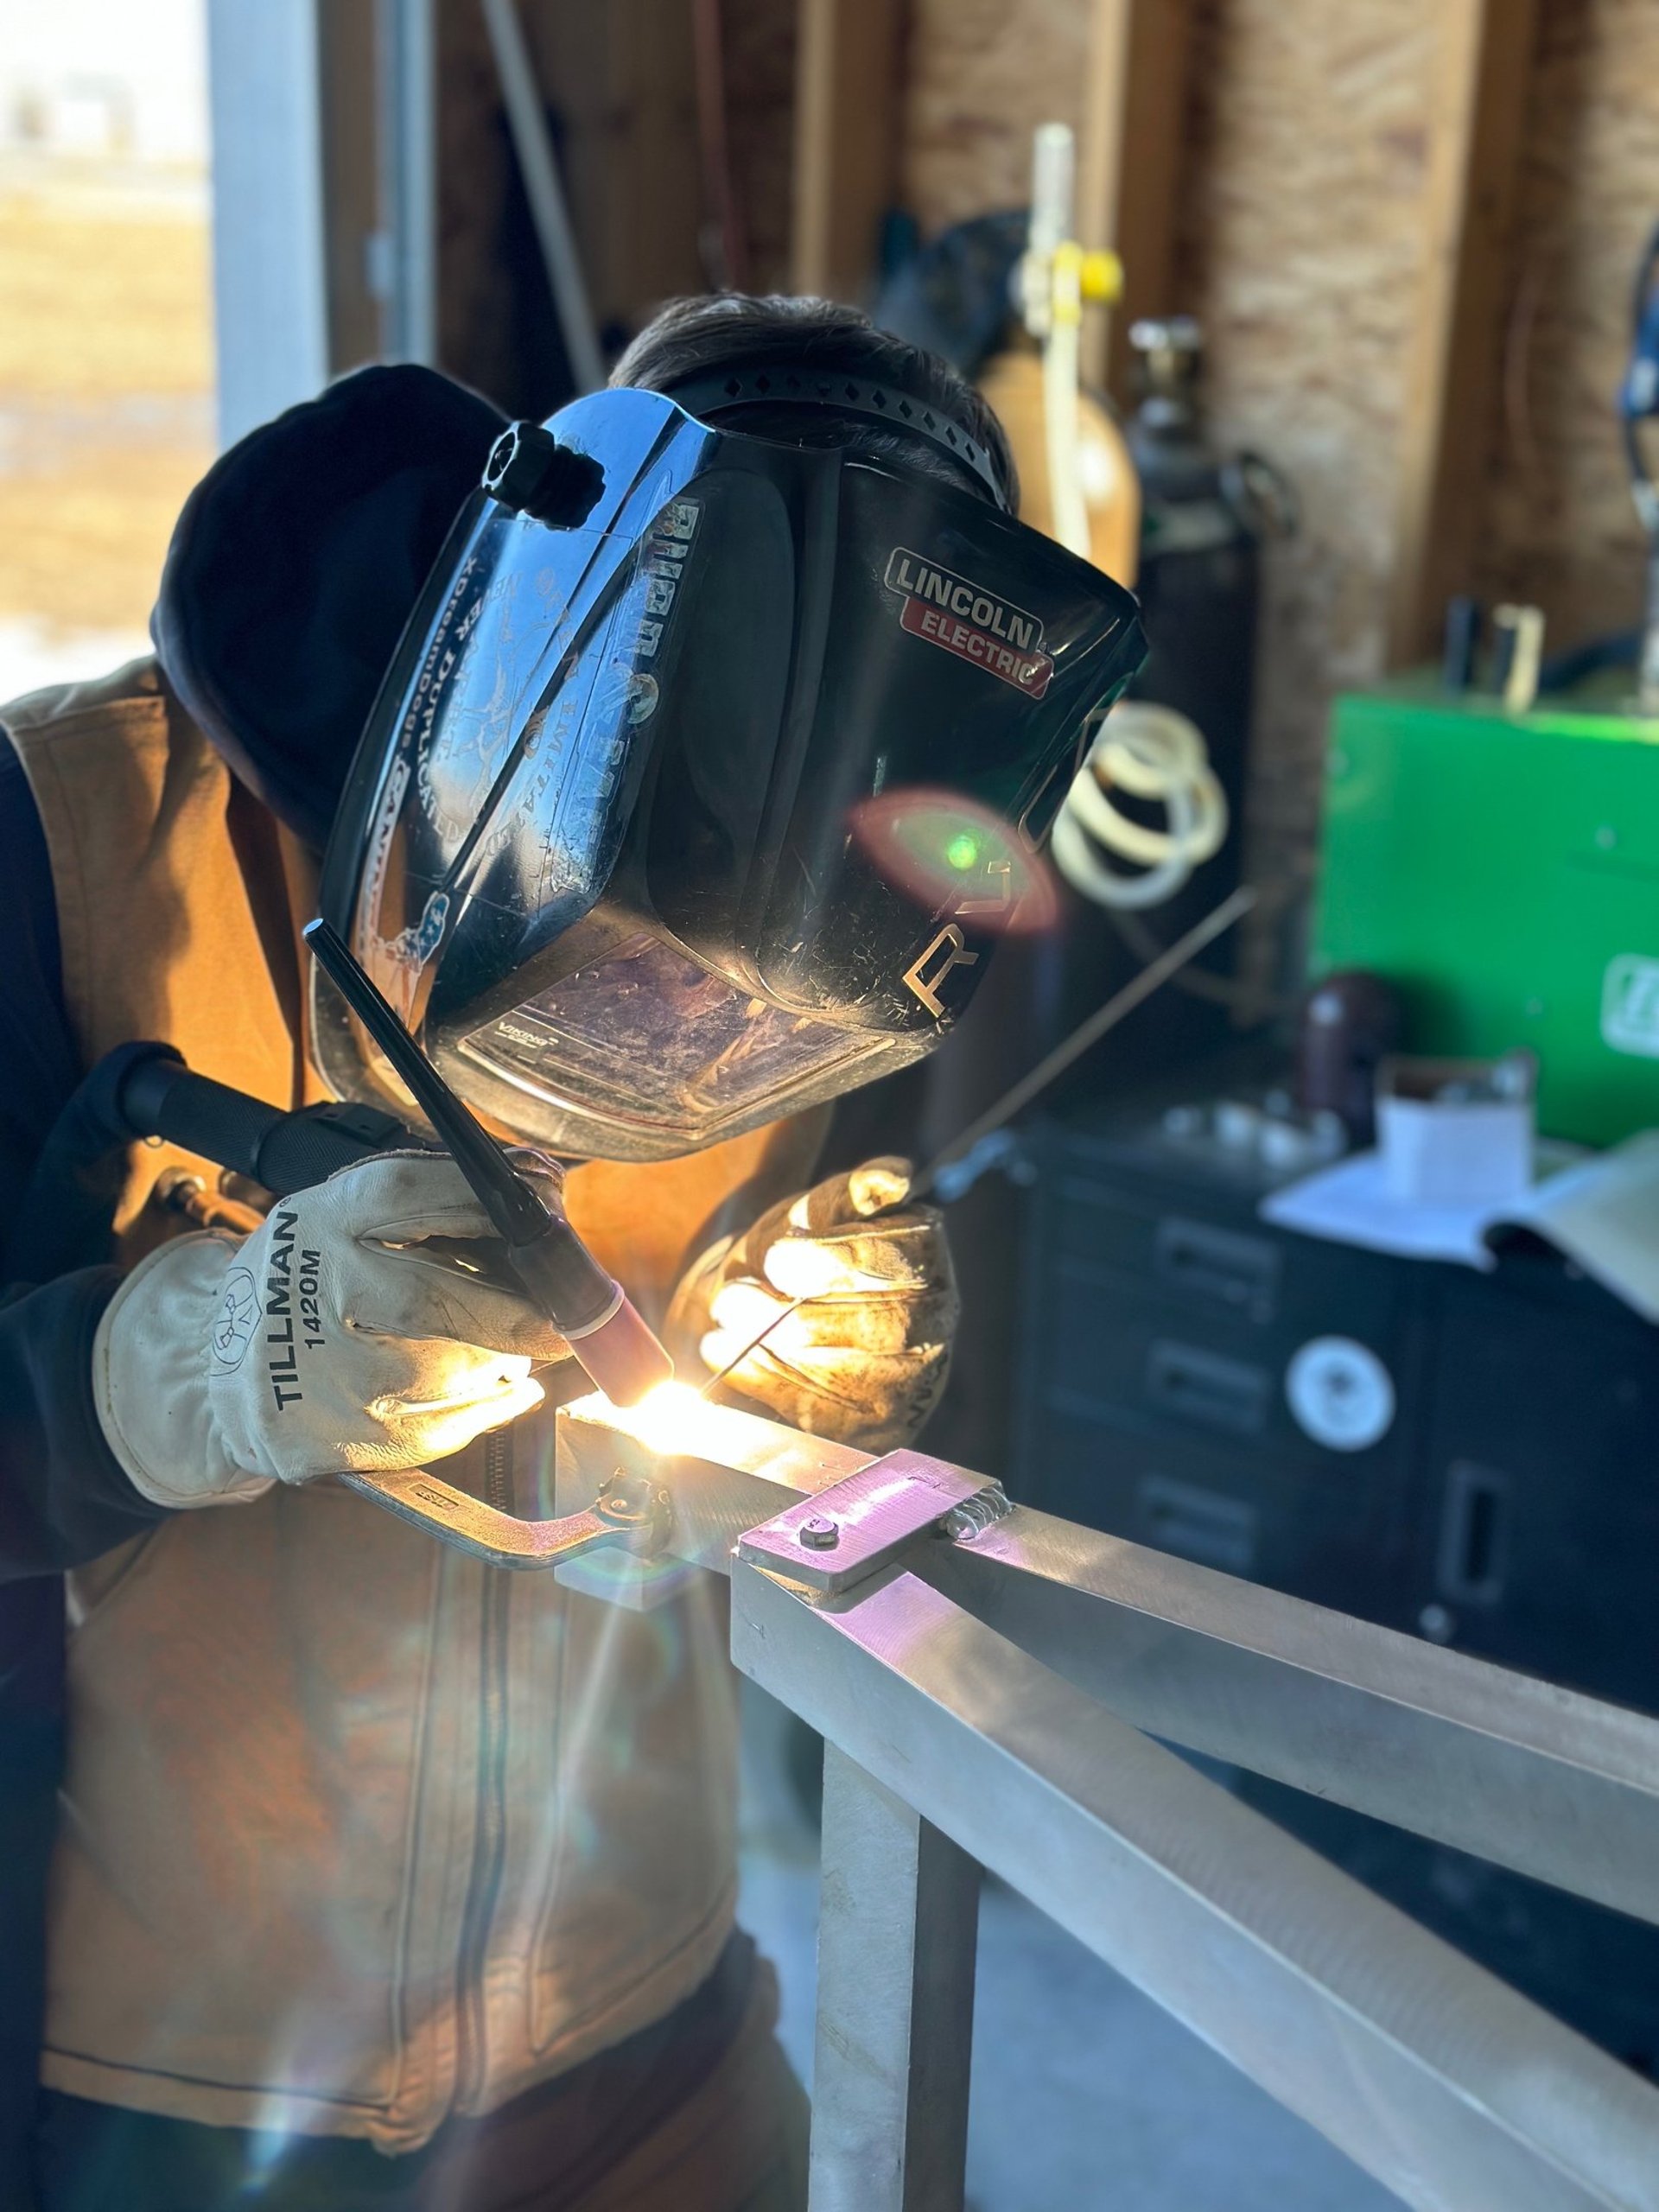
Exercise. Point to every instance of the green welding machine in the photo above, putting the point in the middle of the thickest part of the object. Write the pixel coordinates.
(1502, 871)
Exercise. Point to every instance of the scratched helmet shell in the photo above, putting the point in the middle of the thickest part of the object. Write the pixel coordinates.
(711, 804)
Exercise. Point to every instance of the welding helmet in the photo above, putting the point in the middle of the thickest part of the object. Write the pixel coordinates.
(709, 770)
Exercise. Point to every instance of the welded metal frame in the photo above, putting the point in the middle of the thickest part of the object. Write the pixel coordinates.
(1432, 2074)
(990, 1682)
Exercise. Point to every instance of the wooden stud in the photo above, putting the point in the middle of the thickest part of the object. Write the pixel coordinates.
(846, 114)
(1129, 157)
(621, 83)
(1477, 102)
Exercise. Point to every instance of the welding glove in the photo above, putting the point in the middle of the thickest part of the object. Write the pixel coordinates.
(863, 1357)
(332, 1337)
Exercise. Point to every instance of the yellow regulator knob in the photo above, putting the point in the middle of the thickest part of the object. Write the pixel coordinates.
(1101, 276)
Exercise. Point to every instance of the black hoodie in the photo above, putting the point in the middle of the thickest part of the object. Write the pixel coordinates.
(291, 572)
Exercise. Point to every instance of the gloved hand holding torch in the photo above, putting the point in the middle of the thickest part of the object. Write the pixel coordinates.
(331, 1339)
(852, 1295)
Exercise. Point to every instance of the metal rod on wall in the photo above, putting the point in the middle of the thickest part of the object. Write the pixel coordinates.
(532, 143)
(407, 44)
(270, 282)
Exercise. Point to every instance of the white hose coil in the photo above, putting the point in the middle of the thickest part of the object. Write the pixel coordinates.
(1150, 752)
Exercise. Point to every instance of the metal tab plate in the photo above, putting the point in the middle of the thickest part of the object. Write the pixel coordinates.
(846, 1532)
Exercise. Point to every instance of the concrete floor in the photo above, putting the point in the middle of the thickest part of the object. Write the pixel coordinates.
(1085, 2096)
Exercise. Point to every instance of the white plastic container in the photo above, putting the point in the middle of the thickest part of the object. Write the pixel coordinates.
(1441, 1148)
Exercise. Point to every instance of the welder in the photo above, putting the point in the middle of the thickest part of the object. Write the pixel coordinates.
(672, 767)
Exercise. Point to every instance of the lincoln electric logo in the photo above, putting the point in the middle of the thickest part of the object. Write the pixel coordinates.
(953, 612)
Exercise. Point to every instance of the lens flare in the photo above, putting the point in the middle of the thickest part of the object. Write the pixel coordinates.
(957, 858)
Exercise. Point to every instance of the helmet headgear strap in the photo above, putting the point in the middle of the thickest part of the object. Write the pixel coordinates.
(762, 383)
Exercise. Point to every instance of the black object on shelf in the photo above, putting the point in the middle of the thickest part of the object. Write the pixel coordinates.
(1460, 644)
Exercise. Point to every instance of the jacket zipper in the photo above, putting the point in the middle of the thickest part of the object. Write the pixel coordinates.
(490, 1835)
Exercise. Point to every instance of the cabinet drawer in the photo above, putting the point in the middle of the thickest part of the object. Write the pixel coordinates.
(1223, 1266)
(1337, 1538)
(1147, 1361)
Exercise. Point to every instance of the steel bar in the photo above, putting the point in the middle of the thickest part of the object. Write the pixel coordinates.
(841, 1537)
(1513, 1770)
(1135, 992)
(406, 38)
(897, 1931)
(726, 1470)
(1449, 2088)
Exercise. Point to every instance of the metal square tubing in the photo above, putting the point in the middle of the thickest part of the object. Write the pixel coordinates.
(1509, 1768)
(897, 1931)
(1449, 2088)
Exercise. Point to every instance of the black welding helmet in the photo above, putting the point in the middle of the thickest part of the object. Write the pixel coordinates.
(707, 773)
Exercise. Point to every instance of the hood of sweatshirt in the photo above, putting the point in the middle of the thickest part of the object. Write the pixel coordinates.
(294, 565)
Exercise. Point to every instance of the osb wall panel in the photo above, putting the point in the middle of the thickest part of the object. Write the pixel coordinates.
(980, 76)
(1560, 530)
(1300, 244)
(1299, 249)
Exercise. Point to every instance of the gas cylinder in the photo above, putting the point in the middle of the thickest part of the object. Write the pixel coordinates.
(1012, 382)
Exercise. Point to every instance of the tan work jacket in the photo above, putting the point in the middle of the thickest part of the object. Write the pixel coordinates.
(358, 1833)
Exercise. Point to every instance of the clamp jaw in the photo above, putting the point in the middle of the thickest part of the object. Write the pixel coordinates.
(629, 1514)
(646, 1502)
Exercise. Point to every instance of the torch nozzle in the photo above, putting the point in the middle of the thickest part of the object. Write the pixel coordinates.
(623, 1355)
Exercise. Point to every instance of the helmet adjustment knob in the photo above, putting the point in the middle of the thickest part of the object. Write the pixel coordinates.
(529, 471)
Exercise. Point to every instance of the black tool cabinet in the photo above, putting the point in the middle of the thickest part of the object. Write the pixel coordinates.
(1510, 1506)
(1161, 1318)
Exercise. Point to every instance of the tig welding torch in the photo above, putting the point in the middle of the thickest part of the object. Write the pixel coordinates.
(145, 1091)
(561, 1277)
